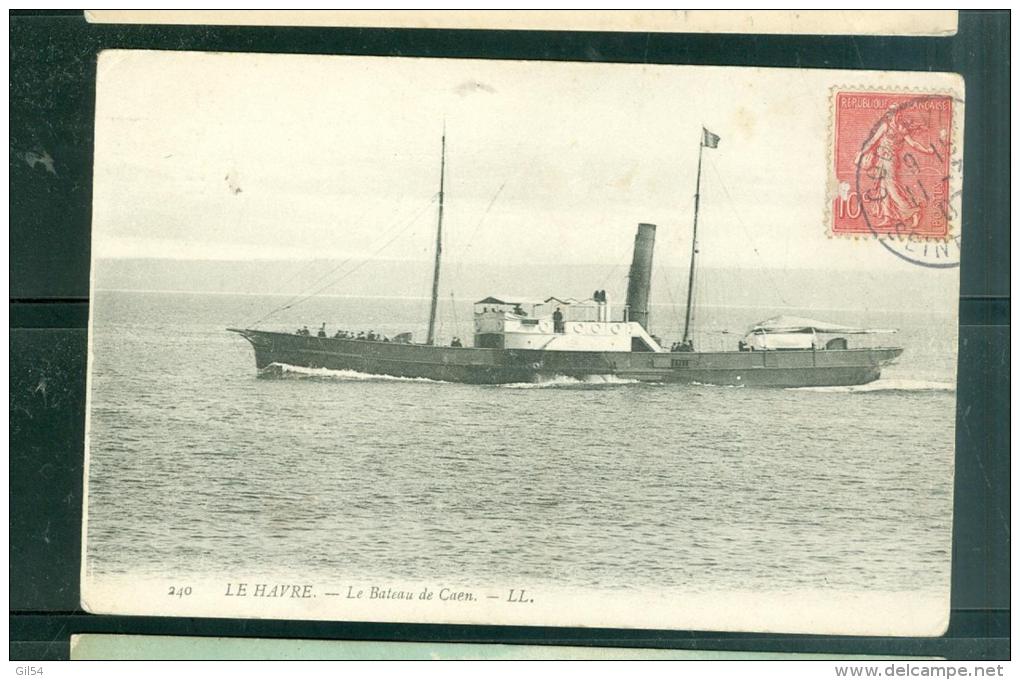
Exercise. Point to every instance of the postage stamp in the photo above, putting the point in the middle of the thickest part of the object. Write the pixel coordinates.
(892, 155)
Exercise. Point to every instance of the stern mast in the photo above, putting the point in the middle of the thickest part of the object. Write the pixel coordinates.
(431, 339)
(694, 245)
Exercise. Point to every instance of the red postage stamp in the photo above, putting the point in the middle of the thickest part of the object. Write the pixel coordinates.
(892, 159)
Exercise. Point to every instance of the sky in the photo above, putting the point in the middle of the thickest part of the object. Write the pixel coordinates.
(238, 156)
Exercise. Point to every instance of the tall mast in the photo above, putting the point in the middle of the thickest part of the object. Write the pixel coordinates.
(694, 244)
(431, 339)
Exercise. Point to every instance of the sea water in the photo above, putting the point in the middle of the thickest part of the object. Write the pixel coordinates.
(197, 465)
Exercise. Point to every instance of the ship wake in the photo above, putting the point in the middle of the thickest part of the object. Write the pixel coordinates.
(886, 385)
(287, 371)
(568, 382)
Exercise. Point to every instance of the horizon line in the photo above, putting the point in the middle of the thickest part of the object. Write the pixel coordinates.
(464, 300)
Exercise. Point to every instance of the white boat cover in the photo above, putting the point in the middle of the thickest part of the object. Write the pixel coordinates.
(798, 324)
(781, 340)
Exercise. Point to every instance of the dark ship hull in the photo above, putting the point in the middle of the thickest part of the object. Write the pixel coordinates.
(772, 368)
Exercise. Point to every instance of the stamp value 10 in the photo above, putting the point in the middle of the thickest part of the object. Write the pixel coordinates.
(892, 160)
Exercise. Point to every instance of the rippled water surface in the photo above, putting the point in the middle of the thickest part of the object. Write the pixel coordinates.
(198, 466)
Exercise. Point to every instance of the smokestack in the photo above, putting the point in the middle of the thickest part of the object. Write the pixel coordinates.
(640, 280)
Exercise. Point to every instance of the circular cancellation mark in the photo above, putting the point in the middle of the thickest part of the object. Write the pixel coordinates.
(903, 175)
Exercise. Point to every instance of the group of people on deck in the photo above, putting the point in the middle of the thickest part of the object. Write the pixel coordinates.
(371, 336)
(685, 346)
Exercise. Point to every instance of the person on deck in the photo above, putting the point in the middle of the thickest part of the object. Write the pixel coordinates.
(322, 330)
(456, 343)
(558, 321)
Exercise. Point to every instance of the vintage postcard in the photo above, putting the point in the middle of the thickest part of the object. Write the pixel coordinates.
(523, 343)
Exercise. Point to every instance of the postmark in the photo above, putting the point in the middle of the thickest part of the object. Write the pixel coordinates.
(896, 164)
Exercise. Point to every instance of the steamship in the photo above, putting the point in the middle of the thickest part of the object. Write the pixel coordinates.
(521, 340)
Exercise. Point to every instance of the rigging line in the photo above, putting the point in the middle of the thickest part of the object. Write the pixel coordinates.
(701, 297)
(521, 168)
(421, 310)
(294, 275)
(290, 301)
(485, 214)
(250, 308)
(471, 237)
(680, 234)
(453, 308)
(293, 300)
(241, 214)
(359, 265)
(747, 232)
(299, 271)
(673, 291)
(613, 268)
(611, 273)
(673, 307)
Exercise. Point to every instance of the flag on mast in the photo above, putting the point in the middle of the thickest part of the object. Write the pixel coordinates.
(710, 140)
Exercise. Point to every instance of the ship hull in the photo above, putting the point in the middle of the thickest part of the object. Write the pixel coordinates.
(774, 368)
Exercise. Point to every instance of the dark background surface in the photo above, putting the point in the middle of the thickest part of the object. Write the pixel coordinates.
(52, 96)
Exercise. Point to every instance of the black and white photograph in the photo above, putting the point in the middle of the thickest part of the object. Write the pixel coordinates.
(523, 343)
